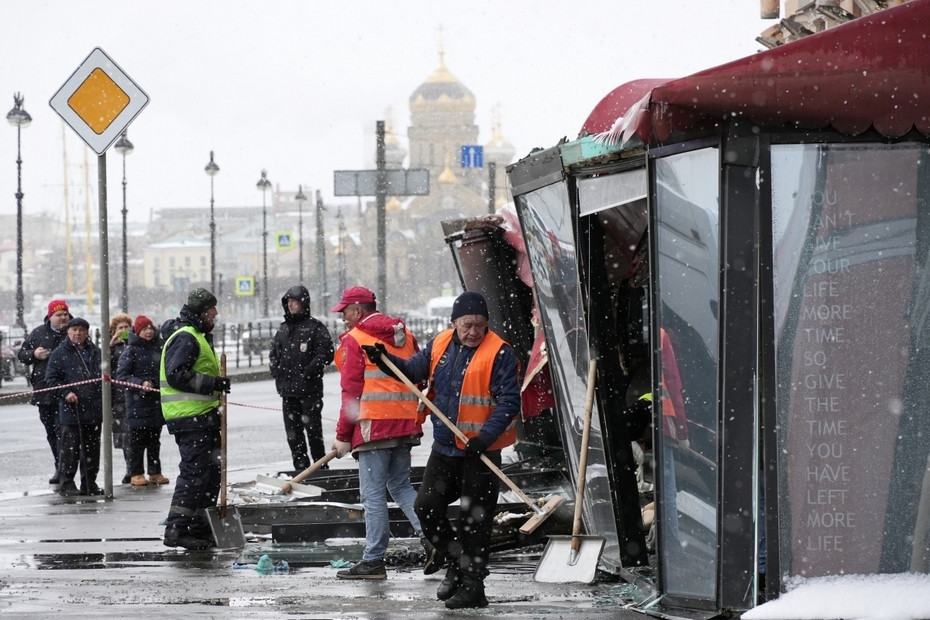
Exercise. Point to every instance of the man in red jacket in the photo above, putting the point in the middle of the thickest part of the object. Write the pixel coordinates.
(378, 420)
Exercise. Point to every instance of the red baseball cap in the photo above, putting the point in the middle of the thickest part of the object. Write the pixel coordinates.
(354, 295)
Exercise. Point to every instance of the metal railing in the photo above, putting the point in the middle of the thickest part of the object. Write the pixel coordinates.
(248, 345)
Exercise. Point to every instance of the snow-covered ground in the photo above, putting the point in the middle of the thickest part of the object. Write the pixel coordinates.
(851, 597)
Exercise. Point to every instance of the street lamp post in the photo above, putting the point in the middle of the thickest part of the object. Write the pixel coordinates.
(300, 198)
(212, 169)
(124, 147)
(321, 253)
(19, 118)
(263, 184)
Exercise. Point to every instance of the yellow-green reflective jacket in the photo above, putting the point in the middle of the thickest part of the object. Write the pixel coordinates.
(177, 404)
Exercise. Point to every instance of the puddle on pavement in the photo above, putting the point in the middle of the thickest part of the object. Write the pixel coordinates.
(97, 561)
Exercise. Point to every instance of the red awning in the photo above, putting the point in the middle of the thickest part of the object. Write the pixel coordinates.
(870, 72)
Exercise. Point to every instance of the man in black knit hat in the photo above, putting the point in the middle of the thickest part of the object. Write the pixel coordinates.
(191, 385)
(473, 375)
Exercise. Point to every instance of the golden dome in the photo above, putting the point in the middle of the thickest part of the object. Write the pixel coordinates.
(394, 205)
(442, 90)
(447, 177)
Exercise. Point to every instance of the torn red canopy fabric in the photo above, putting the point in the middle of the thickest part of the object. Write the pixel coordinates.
(870, 72)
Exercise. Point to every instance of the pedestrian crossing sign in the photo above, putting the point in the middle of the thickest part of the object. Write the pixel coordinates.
(245, 286)
(284, 241)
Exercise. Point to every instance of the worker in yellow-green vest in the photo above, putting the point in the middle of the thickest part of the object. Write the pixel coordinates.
(190, 397)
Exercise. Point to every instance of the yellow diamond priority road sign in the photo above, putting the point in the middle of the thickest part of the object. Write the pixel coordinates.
(99, 101)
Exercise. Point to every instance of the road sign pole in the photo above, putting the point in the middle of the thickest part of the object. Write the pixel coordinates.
(107, 430)
(380, 197)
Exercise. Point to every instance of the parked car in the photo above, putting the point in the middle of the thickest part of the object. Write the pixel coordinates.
(256, 335)
(10, 366)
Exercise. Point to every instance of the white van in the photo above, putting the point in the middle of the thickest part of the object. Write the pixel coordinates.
(440, 307)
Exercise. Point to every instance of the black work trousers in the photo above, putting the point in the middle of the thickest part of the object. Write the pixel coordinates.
(446, 479)
(79, 449)
(303, 414)
(145, 445)
(48, 415)
(197, 485)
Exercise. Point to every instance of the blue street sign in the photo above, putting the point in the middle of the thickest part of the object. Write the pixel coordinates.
(472, 156)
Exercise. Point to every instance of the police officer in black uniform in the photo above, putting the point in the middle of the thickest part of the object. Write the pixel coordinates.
(300, 351)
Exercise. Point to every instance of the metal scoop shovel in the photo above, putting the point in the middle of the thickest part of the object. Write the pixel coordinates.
(574, 558)
(225, 522)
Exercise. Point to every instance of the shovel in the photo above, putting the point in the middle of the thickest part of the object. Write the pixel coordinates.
(225, 522)
(300, 490)
(574, 558)
(541, 514)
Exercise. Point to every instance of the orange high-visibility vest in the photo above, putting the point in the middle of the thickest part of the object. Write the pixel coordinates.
(475, 403)
(383, 398)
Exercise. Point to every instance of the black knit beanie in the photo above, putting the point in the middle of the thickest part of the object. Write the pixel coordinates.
(468, 303)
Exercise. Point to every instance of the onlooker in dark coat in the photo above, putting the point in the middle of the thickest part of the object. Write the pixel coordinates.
(139, 365)
(36, 349)
(300, 351)
(120, 324)
(80, 408)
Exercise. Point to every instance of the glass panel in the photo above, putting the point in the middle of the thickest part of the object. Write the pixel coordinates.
(599, 193)
(850, 231)
(687, 212)
(547, 228)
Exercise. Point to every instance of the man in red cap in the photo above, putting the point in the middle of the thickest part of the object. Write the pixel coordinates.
(378, 420)
(36, 350)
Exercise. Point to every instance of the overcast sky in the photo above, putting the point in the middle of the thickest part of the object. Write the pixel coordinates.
(295, 87)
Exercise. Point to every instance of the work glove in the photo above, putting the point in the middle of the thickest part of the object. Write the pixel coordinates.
(475, 447)
(341, 447)
(375, 355)
(684, 446)
(374, 352)
(221, 384)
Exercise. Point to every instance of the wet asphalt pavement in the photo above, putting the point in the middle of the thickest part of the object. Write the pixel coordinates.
(104, 558)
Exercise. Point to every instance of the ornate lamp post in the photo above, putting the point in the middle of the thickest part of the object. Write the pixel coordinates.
(300, 198)
(321, 254)
(264, 184)
(212, 169)
(124, 147)
(19, 118)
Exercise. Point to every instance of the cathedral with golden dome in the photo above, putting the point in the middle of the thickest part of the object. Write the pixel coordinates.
(442, 121)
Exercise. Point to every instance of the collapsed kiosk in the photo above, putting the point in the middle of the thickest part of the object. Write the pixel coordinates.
(759, 234)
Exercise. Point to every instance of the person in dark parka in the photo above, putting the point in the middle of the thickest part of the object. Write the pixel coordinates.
(80, 408)
(139, 365)
(36, 349)
(301, 349)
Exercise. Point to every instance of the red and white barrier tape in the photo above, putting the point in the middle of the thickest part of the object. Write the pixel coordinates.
(129, 385)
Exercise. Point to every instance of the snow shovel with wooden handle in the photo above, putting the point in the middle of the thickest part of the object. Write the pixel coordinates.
(574, 558)
(540, 514)
(225, 522)
(300, 490)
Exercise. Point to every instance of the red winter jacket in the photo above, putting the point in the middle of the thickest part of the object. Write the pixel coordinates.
(350, 428)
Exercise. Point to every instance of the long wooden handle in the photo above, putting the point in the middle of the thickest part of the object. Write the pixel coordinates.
(223, 437)
(302, 475)
(458, 433)
(583, 456)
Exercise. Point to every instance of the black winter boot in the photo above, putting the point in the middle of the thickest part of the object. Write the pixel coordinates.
(373, 569)
(469, 594)
(450, 584)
